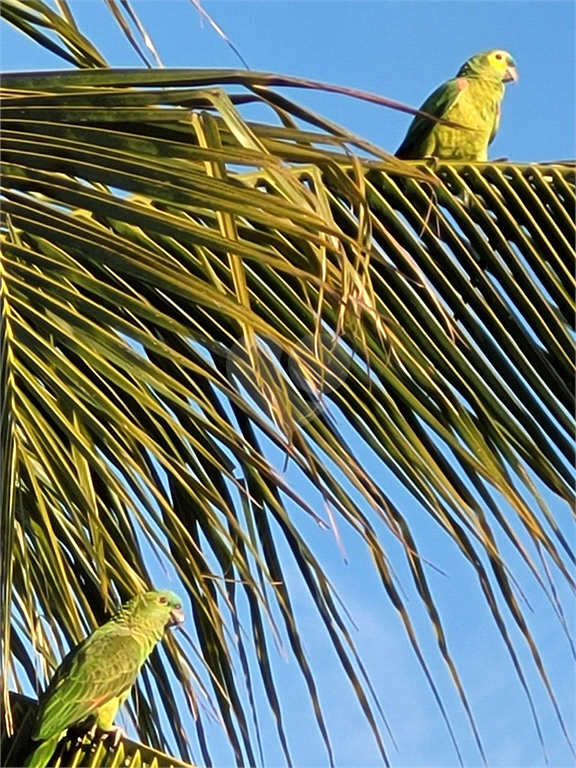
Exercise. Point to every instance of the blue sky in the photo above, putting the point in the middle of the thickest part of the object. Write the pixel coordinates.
(401, 50)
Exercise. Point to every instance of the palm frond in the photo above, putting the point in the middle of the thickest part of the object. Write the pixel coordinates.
(79, 750)
(57, 32)
(188, 293)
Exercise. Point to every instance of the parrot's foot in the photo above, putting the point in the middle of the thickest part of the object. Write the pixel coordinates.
(90, 736)
(432, 162)
(116, 733)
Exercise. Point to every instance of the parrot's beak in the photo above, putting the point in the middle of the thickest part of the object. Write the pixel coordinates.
(511, 75)
(176, 617)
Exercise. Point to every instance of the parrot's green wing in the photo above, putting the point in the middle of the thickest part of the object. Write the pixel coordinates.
(437, 105)
(103, 667)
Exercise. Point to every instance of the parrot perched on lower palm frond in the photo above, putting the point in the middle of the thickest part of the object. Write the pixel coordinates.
(95, 678)
(472, 99)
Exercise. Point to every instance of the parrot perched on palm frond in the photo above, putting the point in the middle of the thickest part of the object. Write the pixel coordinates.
(471, 99)
(95, 678)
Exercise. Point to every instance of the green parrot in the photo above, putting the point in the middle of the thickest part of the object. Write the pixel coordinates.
(471, 99)
(95, 678)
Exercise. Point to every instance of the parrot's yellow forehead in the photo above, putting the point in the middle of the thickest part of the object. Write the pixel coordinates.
(500, 60)
(491, 64)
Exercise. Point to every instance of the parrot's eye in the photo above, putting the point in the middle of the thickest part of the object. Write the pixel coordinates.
(163, 600)
(499, 56)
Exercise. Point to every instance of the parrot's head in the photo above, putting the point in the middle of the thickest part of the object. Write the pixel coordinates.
(159, 607)
(497, 64)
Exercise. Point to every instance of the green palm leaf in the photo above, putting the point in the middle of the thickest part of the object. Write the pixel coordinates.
(183, 288)
(77, 749)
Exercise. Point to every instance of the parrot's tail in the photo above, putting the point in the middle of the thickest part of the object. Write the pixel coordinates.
(42, 754)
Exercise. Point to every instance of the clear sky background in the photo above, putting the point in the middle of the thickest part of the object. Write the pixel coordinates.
(401, 50)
